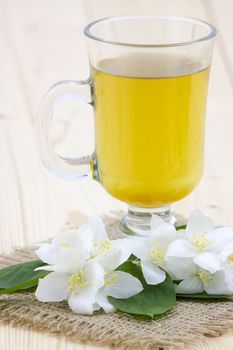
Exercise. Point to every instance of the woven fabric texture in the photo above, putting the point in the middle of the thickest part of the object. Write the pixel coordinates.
(190, 320)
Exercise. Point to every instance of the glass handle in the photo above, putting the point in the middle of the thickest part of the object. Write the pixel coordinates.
(66, 167)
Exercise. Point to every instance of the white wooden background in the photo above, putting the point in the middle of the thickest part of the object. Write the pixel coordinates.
(41, 42)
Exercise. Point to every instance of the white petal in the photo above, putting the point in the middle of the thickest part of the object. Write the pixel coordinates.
(198, 223)
(82, 303)
(102, 300)
(180, 268)
(164, 235)
(53, 287)
(63, 238)
(81, 238)
(208, 261)
(152, 273)
(124, 286)
(218, 284)
(141, 248)
(181, 234)
(226, 252)
(190, 285)
(70, 260)
(109, 260)
(125, 246)
(181, 248)
(119, 251)
(222, 237)
(94, 275)
(48, 253)
(96, 307)
(46, 268)
(229, 278)
(85, 238)
(98, 229)
(156, 221)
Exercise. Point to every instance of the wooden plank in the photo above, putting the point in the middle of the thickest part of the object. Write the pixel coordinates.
(36, 203)
(18, 339)
(220, 12)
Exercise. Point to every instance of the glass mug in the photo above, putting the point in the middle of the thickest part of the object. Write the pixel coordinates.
(148, 88)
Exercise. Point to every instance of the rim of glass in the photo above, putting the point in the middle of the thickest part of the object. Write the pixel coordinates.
(211, 30)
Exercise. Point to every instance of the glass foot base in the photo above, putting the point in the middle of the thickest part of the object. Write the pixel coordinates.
(137, 221)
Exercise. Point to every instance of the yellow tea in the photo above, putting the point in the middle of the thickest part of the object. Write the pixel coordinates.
(149, 129)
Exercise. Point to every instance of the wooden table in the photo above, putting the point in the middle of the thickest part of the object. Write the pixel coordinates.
(41, 42)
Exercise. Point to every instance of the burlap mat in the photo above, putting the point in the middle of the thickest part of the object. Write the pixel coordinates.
(187, 322)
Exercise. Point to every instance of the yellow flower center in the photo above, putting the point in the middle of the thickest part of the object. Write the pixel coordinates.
(204, 276)
(77, 281)
(230, 258)
(101, 248)
(156, 254)
(200, 241)
(109, 280)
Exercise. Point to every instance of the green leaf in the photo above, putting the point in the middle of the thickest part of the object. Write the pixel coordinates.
(181, 227)
(205, 296)
(152, 301)
(20, 276)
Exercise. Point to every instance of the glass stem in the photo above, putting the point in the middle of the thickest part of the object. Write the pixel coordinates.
(137, 221)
